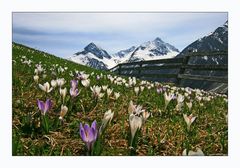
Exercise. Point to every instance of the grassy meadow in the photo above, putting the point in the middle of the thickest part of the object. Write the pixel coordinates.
(52, 96)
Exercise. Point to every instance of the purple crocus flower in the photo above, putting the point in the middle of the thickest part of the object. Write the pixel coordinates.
(44, 107)
(74, 84)
(89, 134)
(74, 92)
(159, 90)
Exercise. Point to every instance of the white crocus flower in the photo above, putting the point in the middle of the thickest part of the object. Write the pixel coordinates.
(127, 85)
(45, 87)
(135, 124)
(39, 69)
(208, 98)
(36, 78)
(189, 104)
(63, 93)
(107, 118)
(100, 95)
(189, 120)
(180, 100)
(85, 82)
(61, 82)
(108, 115)
(168, 98)
(97, 91)
(134, 109)
(134, 81)
(199, 152)
(117, 95)
(111, 79)
(138, 110)
(63, 112)
(142, 88)
(109, 92)
(83, 76)
(136, 90)
(104, 87)
(53, 83)
(130, 83)
(119, 83)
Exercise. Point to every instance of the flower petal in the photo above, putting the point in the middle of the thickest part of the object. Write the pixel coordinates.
(193, 118)
(82, 133)
(48, 105)
(94, 125)
(42, 87)
(186, 118)
(41, 105)
(74, 84)
(184, 153)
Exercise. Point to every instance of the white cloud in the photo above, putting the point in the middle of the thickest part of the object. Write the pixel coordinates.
(106, 22)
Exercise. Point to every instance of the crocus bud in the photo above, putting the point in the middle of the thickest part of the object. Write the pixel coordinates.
(53, 83)
(36, 77)
(63, 112)
(63, 92)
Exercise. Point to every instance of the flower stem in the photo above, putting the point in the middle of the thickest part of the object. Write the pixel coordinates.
(45, 124)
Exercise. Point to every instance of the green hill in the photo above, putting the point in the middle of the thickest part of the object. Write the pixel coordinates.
(164, 132)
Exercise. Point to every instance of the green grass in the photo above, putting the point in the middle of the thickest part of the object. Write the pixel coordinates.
(164, 133)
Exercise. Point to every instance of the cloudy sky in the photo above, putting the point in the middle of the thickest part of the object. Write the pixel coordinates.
(64, 34)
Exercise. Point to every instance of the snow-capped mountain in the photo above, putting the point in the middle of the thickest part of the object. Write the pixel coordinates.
(151, 50)
(93, 56)
(96, 57)
(123, 53)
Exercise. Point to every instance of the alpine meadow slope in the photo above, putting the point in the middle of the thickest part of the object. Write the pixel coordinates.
(60, 108)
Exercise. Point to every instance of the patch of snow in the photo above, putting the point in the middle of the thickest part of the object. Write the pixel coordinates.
(83, 59)
(220, 40)
(205, 58)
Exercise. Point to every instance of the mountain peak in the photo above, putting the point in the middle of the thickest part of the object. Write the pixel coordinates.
(158, 40)
(95, 50)
(155, 49)
(91, 46)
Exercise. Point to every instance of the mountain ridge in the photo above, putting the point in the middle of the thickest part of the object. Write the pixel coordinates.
(96, 57)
